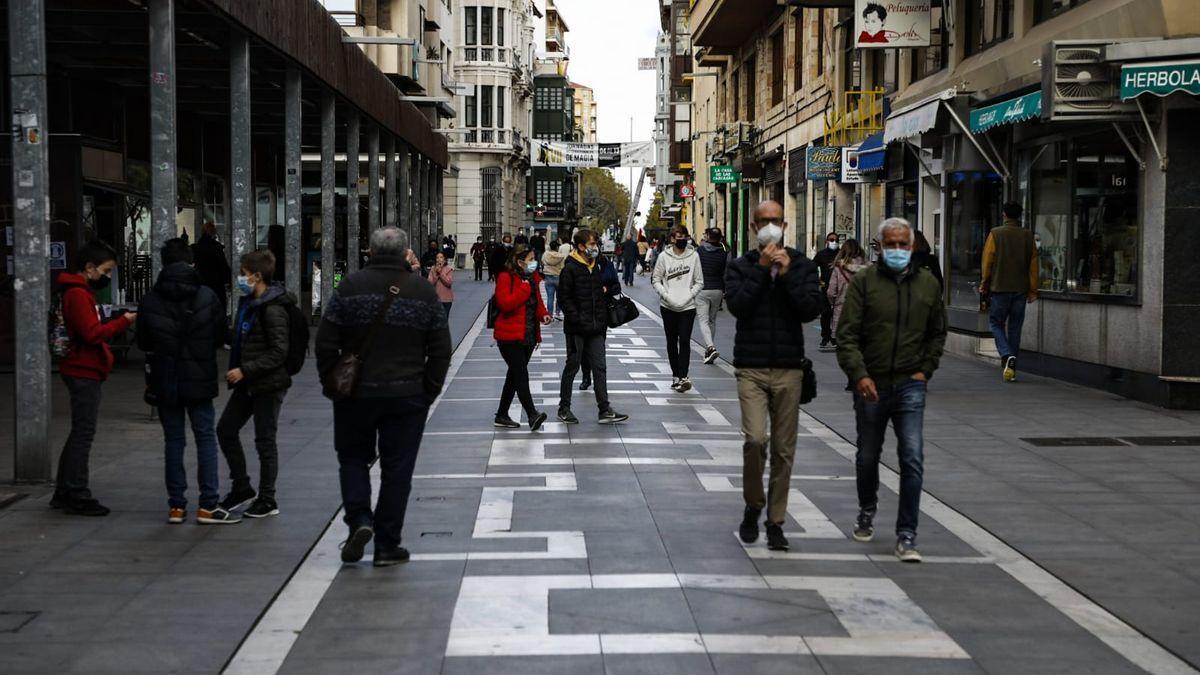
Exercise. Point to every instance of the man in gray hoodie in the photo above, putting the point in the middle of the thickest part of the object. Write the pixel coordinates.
(678, 279)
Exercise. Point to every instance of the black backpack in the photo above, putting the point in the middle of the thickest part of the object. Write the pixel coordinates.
(297, 338)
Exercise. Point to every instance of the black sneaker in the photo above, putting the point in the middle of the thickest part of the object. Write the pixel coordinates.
(262, 507)
(390, 556)
(611, 416)
(567, 417)
(864, 526)
(827, 346)
(775, 539)
(906, 548)
(238, 499)
(675, 383)
(587, 382)
(685, 385)
(711, 355)
(352, 548)
(79, 507)
(537, 421)
(506, 422)
(748, 530)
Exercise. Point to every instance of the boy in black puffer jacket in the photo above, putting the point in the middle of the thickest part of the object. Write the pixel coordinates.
(259, 378)
(182, 326)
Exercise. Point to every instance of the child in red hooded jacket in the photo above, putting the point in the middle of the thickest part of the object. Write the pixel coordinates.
(84, 370)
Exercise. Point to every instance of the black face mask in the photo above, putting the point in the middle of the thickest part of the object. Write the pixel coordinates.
(681, 244)
(101, 283)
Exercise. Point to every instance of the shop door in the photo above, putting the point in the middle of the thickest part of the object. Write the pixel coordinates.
(975, 199)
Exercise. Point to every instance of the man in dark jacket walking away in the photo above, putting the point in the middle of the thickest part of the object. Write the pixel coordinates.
(403, 371)
(824, 260)
(208, 255)
(772, 290)
(583, 294)
(259, 379)
(1010, 280)
(182, 327)
(713, 261)
(890, 338)
(629, 258)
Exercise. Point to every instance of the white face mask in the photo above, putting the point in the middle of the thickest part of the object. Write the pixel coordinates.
(833, 246)
(768, 234)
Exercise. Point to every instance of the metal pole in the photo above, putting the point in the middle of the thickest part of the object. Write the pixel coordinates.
(163, 182)
(353, 205)
(292, 171)
(418, 225)
(404, 203)
(392, 203)
(31, 238)
(241, 184)
(439, 200)
(328, 205)
(373, 178)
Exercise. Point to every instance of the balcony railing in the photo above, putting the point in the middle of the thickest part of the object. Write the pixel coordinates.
(487, 55)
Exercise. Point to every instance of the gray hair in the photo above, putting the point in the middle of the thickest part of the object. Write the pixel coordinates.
(895, 224)
(389, 241)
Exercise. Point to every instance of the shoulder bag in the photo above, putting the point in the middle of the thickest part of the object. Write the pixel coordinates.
(339, 381)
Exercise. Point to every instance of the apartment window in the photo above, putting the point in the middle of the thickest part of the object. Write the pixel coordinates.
(778, 42)
(490, 216)
(472, 107)
(735, 86)
(820, 42)
(485, 24)
(1046, 9)
(499, 27)
(929, 60)
(471, 19)
(549, 98)
(549, 192)
(852, 65)
(751, 86)
(798, 66)
(500, 123)
(485, 106)
(988, 22)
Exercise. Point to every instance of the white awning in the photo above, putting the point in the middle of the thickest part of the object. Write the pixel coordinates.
(915, 119)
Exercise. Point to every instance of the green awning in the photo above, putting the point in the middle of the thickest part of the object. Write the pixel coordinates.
(1159, 79)
(1016, 109)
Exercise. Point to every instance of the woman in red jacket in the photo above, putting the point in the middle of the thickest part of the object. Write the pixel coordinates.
(518, 332)
(84, 369)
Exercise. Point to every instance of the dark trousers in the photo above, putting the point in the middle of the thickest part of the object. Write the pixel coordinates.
(516, 381)
(264, 408)
(398, 423)
(446, 306)
(678, 326)
(630, 269)
(904, 406)
(72, 480)
(479, 270)
(585, 366)
(826, 318)
(588, 348)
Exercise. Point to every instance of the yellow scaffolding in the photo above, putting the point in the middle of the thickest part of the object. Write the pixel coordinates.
(860, 115)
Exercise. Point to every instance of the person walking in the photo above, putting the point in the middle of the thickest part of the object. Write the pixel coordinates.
(84, 369)
(629, 258)
(1010, 282)
(923, 257)
(499, 257)
(518, 332)
(824, 261)
(714, 260)
(429, 258)
(208, 256)
(850, 259)
(478, 257)
(552, 264)
(182, 327)
(678, 279)
(773, 291)
(537, 244)
(402, 372)
(441, 275)
(890, 339)
(643, 255)
(583, 296)
(259, 380)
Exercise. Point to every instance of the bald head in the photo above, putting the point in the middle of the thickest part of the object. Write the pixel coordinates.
(768, 211)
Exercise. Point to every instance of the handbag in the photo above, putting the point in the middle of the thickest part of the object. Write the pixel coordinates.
(339, 380)
(808, 386)
(621, 310)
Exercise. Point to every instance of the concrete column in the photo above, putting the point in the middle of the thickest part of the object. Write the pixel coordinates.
(404, 206)
(241, 158)
(353, 220)
(439, 198)
(419, 233)
(373, 179)
(292, 172)
(164, 185)
(31, 238)
(328, 203)
(391, 209)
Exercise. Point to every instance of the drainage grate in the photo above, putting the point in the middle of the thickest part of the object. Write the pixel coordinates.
(437, 534)
(1162, 440)
(1076, 442)
(12, 622)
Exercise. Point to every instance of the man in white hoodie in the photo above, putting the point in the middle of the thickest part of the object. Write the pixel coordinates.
(678, 279)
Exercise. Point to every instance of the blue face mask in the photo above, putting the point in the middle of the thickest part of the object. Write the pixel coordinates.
(244, 286)
(531, 266)
(896, 259)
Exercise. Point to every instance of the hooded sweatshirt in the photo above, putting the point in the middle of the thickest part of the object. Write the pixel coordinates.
(552, 262)
(678, 278)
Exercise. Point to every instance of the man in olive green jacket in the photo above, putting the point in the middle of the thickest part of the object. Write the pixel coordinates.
(889, 341)
(1010, 281)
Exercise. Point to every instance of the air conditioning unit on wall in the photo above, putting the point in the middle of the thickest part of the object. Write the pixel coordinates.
(1079, 84)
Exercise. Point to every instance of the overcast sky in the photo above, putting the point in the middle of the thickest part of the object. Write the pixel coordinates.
(607, 37)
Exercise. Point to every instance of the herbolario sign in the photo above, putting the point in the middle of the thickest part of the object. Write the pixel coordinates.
(1159, 79)
(883, 24)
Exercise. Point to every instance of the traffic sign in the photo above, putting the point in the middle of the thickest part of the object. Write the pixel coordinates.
(723, 174)
(687, 191)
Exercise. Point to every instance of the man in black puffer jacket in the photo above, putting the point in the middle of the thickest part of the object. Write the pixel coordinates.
(584, 288)
(182, 326)
(773, 291)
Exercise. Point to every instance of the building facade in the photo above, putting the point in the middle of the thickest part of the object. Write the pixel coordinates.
(585, 113)
(553, 195)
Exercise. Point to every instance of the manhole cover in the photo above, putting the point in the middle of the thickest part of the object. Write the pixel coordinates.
(1075, 442)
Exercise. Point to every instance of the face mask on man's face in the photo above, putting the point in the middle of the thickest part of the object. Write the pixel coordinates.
(833, 244)
(593, 252)
(768, 234)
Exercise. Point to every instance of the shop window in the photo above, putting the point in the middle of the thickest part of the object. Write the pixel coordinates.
(1046, 9)
(820, 222)
(778, 41)
(988, 22)
(975, 201)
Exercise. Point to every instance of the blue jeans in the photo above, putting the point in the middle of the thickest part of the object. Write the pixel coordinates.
(1006, 317)
(551, 292)
(203, 418)
(630, 268)
(904, 406)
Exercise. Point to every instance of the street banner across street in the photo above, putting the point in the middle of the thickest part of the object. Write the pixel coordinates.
(883, 24)
(584, 155)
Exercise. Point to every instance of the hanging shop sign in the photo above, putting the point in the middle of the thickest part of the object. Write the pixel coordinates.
(648, 64)
(1025, 107)
(687, 191)
(850, 170)
(823, 162)
(584, 155)
(885, 24)
(1159, 79)
(723, 174)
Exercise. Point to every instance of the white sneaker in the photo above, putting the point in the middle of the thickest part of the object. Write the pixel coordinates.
(675, 383)
(684, 385)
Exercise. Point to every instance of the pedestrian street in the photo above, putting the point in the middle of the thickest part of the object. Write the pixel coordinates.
(598, 548)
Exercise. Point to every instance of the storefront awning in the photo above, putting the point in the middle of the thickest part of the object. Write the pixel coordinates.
(1013, 110)
(1160, 79)
(915, 119)
(871, 153)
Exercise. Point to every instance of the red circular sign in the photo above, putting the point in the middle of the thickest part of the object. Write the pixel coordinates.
(687, 191)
